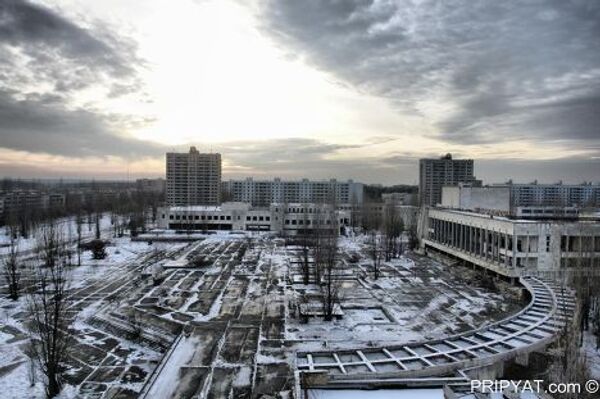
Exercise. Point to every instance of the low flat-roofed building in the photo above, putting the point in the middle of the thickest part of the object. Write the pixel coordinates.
(287, 219)
(510, 246)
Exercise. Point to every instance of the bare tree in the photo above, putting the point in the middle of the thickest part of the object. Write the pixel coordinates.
(393, 227)
(11, 268)
(97, 224)
(318, 240)
(371, 223)
(304, 242)
(51, 246)
(79, 224)
(569, 363)
(328, 263)
(47, 308)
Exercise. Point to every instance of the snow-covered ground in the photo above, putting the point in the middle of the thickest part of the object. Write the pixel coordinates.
(235, 317)
(592, 354)
(67, 228)
(378, 394)
(411, 301)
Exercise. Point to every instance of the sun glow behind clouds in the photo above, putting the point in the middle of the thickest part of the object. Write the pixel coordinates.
(214, 78)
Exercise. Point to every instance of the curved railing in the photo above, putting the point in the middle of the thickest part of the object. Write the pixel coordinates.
(534, 327)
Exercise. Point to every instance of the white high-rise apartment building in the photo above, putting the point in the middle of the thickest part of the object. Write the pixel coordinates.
(193, 178)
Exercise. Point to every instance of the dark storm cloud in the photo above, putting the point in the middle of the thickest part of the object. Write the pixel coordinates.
(512, 69)
(40, 124)
(45, 61)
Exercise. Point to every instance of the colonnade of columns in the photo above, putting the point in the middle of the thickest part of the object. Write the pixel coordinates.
(490, 245)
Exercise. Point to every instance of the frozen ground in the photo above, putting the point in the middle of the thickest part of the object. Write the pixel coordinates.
(67, 228)
(379, 394)
(224, 322)
(592, 354)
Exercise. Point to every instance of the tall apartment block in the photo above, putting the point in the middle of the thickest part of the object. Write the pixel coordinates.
(437, 173)
(193, 178)
(264, 192)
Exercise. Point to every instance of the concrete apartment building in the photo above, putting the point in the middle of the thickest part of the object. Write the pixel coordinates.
(29, 201)
(558, 195)
(266, 192)
(435, 173)
(193, 178)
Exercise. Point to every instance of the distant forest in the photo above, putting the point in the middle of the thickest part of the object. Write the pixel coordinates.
(373, 192)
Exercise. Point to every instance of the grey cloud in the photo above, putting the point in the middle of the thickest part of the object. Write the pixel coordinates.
(40, 50)
(40, 124)
(297, 158)
(497, 62)
(44, 34)
(45, 61)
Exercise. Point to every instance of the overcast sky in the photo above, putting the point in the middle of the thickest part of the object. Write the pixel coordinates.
(347, 89)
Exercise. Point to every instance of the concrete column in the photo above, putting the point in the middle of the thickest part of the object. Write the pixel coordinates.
(483, 243)
(497, 246)
(505, 249)
(514, 250)
(488, 240)
(480, 238)
(442, 231)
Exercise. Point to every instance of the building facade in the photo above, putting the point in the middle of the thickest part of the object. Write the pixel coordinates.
(437, 173)
(466, 197)
(29, 201)
(266, 192)
(286, 219)
(558, 195)
(507, 246)
(193, 178)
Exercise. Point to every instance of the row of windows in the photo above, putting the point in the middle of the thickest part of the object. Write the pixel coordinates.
(217, 217)
(199, 217)
(301, 222)
(258, 218)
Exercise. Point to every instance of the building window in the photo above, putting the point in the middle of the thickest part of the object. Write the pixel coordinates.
(170, 217)
(228, 217)
(268, 218)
